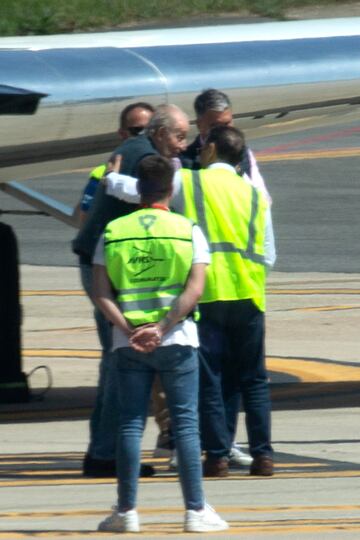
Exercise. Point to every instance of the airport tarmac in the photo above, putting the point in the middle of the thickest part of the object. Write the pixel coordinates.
(314, 366)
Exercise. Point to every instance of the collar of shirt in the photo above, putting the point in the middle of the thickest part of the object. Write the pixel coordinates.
(176, 163)
(221, 165)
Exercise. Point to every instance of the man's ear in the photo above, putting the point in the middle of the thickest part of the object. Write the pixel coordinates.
(160, 133)
(158, 136)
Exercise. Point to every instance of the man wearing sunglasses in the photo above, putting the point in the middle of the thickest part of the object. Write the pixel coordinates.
(99, 459)
(132, 121)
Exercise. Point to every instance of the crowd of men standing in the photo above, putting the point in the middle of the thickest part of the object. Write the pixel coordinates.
(174, 250)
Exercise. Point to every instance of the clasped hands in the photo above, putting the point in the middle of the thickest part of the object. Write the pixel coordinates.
(146, 338)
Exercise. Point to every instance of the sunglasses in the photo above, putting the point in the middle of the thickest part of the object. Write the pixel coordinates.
(135, 130)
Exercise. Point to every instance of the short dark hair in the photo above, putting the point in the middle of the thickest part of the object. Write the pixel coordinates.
(229, 143)
(211, 100)
(131, 107)
(155, 174)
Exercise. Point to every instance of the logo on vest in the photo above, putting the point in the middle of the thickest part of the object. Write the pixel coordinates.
(143, 258)
(147, 221)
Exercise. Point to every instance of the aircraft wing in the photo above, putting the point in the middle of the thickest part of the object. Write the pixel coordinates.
(77, 85)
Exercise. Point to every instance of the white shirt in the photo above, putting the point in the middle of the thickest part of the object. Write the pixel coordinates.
(123, 187)
(183, 333)
(256, 178)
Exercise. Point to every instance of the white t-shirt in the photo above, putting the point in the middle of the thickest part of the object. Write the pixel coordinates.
(185, 332)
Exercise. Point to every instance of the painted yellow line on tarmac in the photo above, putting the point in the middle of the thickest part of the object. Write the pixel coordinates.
(308, 154)
(305, 370)
(163, 530)
(61, 353)
(313, 371)
(61, 292)
(295, 121)
(277, 291)
(70, 453)
(160, 468)
(67, 329)
(74, 412)
(26, 462)
(172, 479)
(304, 292)
(325, 308)
(222, 509)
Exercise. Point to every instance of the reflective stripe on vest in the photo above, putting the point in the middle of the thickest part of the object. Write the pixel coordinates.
(231, 214)
(149, 303)
(148, 258)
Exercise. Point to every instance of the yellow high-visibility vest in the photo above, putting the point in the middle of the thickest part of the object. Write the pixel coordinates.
(148, 258)
(98, 172)
(232, 215)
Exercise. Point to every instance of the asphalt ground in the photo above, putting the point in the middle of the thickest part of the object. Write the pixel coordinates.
(314, 369)
(312, 357)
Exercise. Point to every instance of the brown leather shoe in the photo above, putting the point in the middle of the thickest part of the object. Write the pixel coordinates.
(216, 468)
(262, 466)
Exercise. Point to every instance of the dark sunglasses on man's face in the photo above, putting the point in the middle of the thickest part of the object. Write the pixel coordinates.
(135, 130)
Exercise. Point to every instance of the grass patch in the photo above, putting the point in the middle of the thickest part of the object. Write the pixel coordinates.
(27, 17)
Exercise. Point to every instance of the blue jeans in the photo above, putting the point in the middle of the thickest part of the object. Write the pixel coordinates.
(134, 373)
(232, 365)
(103, 423)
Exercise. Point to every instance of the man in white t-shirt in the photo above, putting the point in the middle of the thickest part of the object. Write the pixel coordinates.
(149, 273)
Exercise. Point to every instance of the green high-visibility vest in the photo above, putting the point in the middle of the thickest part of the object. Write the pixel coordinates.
(231, 214)
(148, 258)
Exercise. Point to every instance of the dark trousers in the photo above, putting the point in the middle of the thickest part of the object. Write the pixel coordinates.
(232, 365)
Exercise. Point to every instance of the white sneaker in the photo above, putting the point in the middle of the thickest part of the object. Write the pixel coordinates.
(121, 522)
(205, 520)
(173, 461)
(238, 458)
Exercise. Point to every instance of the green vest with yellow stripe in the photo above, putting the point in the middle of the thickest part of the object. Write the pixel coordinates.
(231, 214)
(148, 258)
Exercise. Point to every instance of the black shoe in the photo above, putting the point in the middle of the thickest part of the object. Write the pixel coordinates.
(106, 468)
(262, 466)
(146, 470)
(99, 468)
(216, 467)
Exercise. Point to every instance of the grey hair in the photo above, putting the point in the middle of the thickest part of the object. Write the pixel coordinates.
(211, 100)
(163, 117)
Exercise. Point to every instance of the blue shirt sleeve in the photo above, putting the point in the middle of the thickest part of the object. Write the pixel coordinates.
(89, 194)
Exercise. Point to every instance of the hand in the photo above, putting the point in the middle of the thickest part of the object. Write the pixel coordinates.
(114, 166)
(146, 338)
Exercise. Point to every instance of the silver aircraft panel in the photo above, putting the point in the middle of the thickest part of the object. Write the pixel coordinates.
(255, 64)
(86, 88)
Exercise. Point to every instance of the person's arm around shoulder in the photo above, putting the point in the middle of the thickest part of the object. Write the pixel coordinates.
(123, 186)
